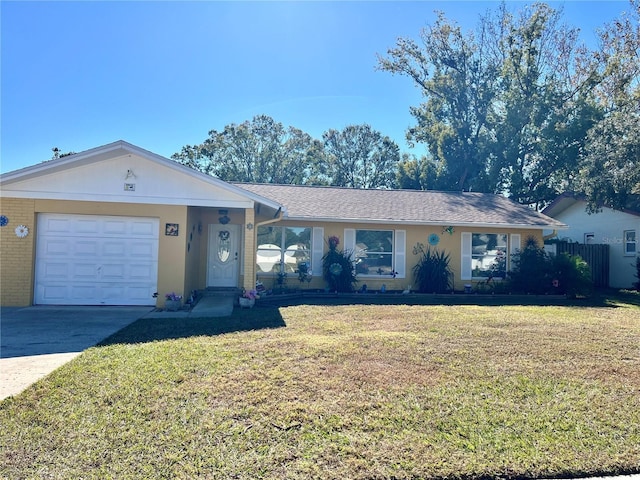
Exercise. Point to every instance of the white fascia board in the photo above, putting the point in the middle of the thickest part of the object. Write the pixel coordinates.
(192, 202)
(561, 226)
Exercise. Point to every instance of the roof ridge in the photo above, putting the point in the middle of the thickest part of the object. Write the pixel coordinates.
(340, 187)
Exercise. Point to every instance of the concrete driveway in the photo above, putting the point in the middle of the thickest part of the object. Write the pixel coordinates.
(34, 341)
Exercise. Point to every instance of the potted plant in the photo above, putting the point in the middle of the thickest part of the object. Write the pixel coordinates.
(172, 302)
(248, 298)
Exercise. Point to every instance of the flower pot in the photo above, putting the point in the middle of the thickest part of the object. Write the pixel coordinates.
(247, 302)
(173, 305)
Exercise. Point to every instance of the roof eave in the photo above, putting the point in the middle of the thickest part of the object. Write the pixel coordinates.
(553, 226)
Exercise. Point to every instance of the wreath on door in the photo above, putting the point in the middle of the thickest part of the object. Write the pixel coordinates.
(224, 235)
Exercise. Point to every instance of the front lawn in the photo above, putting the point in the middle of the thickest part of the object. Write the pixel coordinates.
(348, 391)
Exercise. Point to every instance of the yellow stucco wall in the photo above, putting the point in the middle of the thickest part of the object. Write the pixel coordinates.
(415, 234)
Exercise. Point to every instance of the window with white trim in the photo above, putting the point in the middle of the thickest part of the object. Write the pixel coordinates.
(282, 249)
(374, 252)
(630, 243)
(484, 255)
(589, 238)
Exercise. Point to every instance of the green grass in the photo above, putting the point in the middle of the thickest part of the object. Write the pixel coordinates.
(348, 391)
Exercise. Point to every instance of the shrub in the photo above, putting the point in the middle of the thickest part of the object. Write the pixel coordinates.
(571, 275)
(534, 271)
(636, 285)
(531, 269)
(432, 273)
(338, 269)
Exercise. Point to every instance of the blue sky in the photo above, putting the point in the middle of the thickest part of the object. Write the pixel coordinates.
(160, 75)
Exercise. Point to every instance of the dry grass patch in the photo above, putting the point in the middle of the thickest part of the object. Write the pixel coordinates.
(342, 392)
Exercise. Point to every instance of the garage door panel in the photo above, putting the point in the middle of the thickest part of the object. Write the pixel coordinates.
(114, 249)
(115, 227)
(85, 272)
(143, 229)
(96, 260)
(53, 293)
(86, 248)
(113, 272)
(56, 225)
(142, 272)
(88, 227)
(53, 247)
(56, 271)
(144, 250)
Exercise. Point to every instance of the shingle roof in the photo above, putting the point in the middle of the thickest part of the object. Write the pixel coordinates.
(400, 206)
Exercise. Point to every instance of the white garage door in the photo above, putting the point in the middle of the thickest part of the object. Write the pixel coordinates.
(96, 260)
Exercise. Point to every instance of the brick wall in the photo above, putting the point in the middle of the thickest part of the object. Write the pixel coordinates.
(17, 254)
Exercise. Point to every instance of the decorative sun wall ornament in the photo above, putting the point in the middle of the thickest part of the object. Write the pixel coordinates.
(21, 231)
(3, 220)
(434, 239)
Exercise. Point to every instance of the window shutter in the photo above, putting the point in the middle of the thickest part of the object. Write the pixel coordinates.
(465, 266)
(317, 250)
(350, 243)
(349, 240)
(514, 246)
(400, 247)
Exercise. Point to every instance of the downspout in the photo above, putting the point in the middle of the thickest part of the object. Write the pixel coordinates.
(551, 235)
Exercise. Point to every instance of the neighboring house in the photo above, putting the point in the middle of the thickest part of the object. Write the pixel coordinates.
(117, 224)
(617, 228)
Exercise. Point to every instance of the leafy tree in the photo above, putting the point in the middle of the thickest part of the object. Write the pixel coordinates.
(507, 107)
(417, 173)
(610, 168)
(545, 107)
(459, 85)
(260, 151)
(611, 165)
(360, 157)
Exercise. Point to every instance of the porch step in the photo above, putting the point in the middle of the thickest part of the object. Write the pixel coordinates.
(220, 292)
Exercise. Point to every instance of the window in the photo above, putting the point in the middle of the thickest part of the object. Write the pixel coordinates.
(282, 247)
(630, 244)
(589, 238)
(373, 252)
(488, 255)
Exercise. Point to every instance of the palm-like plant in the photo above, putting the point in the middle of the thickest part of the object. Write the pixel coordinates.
(432, 273)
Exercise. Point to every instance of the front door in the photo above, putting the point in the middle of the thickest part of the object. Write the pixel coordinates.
(223, 259)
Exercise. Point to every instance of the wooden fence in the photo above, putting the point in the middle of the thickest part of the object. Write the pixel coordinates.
(596, 255)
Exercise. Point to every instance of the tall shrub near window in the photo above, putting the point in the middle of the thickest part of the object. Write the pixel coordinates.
(432, 273)
(337, 267)
(532, 271)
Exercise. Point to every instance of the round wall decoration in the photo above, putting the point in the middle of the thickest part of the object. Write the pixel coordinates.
(3, 220)
(21, 231)
(434, 239)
